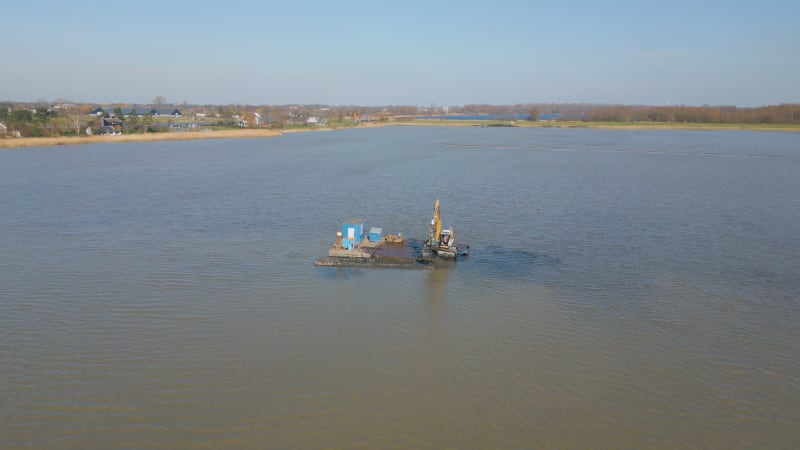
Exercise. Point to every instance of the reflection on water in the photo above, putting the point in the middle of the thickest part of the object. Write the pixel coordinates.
(162, 295)
(435, 300)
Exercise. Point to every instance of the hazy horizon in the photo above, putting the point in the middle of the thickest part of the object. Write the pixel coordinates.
(169, 104)
(414, 53)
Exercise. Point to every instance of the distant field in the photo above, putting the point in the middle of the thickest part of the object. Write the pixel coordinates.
(674, 125)
(619, 125)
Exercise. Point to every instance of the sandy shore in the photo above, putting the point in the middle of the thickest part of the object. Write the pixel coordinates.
(10, 142)
(174, 136)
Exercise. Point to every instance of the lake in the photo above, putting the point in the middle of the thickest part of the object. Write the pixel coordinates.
(625, 289)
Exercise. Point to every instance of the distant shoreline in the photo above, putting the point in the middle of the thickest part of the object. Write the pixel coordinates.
(610, 125)
(27, 142)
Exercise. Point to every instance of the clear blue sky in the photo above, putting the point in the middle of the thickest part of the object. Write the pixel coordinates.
(743, 53)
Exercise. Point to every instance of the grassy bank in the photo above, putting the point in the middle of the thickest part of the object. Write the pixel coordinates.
(10, 142)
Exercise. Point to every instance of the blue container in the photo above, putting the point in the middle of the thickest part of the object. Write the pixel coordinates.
(352, 233)
(375, 234)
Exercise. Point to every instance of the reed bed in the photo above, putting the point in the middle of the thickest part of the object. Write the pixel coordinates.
(11, 142)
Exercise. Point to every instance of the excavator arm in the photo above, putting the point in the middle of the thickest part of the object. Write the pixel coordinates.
(436, 228)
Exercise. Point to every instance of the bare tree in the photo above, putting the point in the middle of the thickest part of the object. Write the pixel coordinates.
(76, 114)
(160, 100)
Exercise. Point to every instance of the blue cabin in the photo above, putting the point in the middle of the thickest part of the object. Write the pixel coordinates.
(375, 234)
(352, 233)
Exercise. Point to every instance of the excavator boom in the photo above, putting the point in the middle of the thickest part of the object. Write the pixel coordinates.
(437, 221)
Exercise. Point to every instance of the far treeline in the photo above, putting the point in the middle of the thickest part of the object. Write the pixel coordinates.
(63, 118)
(785, 113)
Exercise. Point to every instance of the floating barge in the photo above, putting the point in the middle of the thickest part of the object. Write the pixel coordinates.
(354, 247)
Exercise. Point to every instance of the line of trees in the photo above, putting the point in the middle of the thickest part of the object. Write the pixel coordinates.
(785, 113)
(43, 121)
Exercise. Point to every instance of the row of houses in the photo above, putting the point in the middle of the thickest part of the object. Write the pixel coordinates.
(113, 125)
(111, 110)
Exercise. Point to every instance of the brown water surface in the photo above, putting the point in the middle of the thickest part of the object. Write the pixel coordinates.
(626, 289)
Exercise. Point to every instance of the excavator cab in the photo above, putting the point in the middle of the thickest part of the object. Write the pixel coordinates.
(444, 238)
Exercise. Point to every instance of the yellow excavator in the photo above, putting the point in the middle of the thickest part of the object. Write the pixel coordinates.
(441, 242)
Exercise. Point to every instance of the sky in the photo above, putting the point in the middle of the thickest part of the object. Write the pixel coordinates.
(443, 53)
